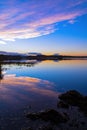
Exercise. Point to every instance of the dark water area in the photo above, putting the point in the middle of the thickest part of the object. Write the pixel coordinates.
(31, 86)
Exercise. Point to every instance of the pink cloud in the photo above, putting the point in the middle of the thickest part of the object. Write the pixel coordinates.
(23, 20)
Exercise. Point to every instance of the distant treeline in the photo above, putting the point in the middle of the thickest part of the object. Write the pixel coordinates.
(39, 57)
(10, 57)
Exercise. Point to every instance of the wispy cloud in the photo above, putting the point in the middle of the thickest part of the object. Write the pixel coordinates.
(23, 20)
(2, 42)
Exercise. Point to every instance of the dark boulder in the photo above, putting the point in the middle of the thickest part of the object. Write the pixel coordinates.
(83, 105)
(71, 97)
(49, 115)
(62, 104)
(74, 98)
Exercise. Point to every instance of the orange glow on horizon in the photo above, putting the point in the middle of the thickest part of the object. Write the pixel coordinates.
(67, 53)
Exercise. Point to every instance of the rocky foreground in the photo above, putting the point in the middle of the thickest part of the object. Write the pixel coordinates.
(71, 114)
(73, 98)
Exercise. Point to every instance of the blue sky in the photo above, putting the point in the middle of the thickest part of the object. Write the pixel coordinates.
(49, 26)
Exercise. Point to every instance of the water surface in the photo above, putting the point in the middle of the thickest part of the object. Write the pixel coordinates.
(34, 86)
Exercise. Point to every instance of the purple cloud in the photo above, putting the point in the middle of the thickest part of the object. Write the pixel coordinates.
(29, 19)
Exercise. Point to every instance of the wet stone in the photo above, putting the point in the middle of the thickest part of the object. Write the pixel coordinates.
(50, 115)
(74, 98)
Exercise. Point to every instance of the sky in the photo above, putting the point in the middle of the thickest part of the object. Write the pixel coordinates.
(45, 26)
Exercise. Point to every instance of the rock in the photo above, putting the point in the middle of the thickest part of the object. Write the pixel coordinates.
(83, 105)
(62, 104)
(50, 115)
(74, 98)
(71, 97)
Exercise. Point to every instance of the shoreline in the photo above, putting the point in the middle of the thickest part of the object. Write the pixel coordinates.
(71, 114)
(41, 57)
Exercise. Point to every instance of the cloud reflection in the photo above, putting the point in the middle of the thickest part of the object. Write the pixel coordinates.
(18, 90)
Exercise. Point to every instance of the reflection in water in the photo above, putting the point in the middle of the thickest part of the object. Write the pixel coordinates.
(18, 90)
(27, 63)
(21, 62)
(1, 75)
(17, 93)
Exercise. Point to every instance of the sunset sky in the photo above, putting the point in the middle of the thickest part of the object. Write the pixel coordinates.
(45, 26)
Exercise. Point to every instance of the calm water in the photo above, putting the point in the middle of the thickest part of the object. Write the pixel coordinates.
(33, 86)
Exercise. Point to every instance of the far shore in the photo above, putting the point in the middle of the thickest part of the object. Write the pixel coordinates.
(41, 57)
